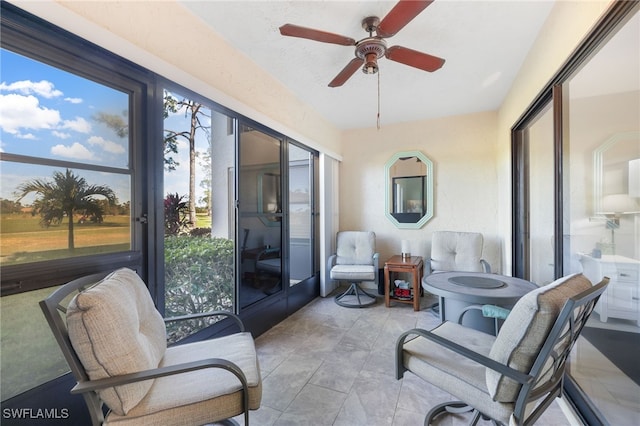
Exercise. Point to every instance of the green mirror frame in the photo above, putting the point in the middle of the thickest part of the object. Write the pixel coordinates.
(420, 210)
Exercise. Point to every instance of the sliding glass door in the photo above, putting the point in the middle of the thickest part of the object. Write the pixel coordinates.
(260, 215)
(577, 206)
(303, 258)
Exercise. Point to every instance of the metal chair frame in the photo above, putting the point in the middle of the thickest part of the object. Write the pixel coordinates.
(54, 311)
(564, 333)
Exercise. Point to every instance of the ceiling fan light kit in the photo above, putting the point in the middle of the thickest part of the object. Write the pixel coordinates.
(370, 49)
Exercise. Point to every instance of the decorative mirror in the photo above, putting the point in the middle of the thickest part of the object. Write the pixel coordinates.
(409, 189)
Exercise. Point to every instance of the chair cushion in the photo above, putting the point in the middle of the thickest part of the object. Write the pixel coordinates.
(202, 396)
(456, 251)
(455, 373)
(115, 329)
(353, 273)
(525, 330)
(355, 247)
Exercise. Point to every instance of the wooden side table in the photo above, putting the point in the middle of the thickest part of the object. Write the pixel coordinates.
(412, 265)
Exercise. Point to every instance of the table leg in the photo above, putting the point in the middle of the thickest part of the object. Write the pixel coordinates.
(416, 289)
(387, 301)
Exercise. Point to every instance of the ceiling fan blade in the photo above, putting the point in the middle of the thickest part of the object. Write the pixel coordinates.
(348, 71)
(413, 58)
(401, 14)
(317, 35)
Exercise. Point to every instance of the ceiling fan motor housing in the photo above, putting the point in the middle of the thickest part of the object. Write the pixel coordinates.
(369, 50)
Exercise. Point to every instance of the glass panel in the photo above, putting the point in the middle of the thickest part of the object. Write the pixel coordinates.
(300, 214)
(603, 222)
(260, 215)
(25, 339)
(199, 246)
(34, 229)
(65, 192)
(541, 196)
(53, 114)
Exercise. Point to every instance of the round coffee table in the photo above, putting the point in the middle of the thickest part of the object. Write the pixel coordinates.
(459, 290)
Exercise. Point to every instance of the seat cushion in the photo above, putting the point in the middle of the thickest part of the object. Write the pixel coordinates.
(115, 329)
(353, 273)
(203, 396)
(355, 247)
(526, 329)
(452, 372)
(456, 251)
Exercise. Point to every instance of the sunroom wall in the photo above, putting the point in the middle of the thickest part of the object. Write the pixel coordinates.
(463, 151)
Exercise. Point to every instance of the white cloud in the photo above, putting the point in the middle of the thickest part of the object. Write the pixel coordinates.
(76, 151)
(18, 111)
(73, 100)
(79, 125)
(106, 145)
(43, 88)
(29, 136)
(60, 135)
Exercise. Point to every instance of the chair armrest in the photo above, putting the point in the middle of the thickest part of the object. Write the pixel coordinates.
(486, 266)
(428, 270)
(109, 382)
(468, 353)
(331, 262)
(376, 267)
(208, 314)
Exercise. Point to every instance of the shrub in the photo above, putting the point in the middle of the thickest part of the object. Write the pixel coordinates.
(176, 211)
(199, 277)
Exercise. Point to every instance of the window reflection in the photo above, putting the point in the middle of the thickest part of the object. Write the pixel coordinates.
(602, 219)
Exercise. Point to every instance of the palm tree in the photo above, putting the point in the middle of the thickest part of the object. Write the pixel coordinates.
(66, 195)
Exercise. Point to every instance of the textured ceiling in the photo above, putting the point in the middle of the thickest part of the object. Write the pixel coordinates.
(483, 42)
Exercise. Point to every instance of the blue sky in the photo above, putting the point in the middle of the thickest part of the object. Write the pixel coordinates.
(49, 113)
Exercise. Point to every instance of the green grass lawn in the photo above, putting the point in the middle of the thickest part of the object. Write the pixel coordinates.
(24, 240)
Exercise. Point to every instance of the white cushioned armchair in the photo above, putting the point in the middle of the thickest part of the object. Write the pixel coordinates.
(355, 261)
(114, 341)
(456, 251)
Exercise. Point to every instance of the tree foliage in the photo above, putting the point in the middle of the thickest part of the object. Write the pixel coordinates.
(65, 196)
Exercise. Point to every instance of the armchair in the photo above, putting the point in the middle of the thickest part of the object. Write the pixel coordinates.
(456, 251)
(513, 377)
(114, 341)
(355, 261)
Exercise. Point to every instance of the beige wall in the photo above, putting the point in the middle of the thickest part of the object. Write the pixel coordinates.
(463, 151)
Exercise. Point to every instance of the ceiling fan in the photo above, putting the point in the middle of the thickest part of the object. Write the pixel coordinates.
(370, 49)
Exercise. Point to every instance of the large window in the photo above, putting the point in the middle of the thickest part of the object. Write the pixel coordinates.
(199, 272)
(67, 195)
(104, 164)
(577, 206)
(66, 182)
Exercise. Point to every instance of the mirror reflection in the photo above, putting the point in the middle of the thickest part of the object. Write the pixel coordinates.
(409, 188)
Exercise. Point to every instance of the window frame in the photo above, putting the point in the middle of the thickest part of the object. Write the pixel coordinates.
(34, 38)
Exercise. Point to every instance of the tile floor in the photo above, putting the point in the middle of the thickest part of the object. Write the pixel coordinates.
(330, 365)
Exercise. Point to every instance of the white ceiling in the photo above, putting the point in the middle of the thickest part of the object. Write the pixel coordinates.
(483, 42)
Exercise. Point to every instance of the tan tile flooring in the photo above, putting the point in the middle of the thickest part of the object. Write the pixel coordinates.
(330, 365)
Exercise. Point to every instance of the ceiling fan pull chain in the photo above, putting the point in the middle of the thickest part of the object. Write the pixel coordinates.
(378, 117)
